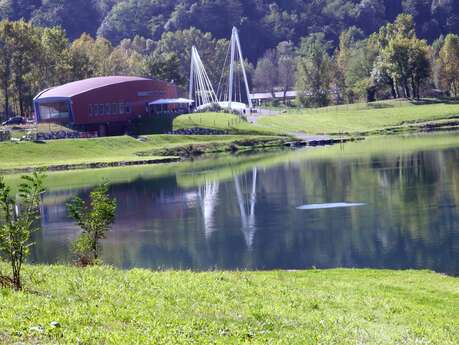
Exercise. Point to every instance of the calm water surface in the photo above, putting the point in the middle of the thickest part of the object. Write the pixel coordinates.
(245, 212)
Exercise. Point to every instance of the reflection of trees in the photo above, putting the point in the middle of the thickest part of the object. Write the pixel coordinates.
(411, 219)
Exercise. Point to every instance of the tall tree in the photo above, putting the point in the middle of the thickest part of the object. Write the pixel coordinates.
(25, 48)
(6, 56)
(449, 64)
(166, 67)
(314, 72)
(266, 76)
(403, 57)
(56, 57)
(286, 56)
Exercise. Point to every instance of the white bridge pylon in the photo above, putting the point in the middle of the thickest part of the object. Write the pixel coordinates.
(229, 95)
(201, 89)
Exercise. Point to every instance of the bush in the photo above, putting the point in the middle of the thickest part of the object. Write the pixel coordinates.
(95, 219)
(17, 219)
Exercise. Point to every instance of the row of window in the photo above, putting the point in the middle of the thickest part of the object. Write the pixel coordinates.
(110, 109)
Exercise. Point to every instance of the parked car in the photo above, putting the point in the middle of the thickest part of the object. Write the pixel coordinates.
(16, 120)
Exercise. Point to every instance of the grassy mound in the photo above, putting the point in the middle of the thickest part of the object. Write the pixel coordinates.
(103, 305)
(108, 149)
(348, 119)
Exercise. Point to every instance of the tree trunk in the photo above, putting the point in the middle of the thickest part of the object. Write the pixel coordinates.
(371, 92)
(392, 89)
(21, 102)
(406, 89)
(396, 90)
(7, 98)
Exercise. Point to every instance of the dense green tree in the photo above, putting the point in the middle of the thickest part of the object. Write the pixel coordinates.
(135, 17)
(286, 64)
(266, 76)
(404, 59)
(76, 16)
(56, 58)
(314, 71)
(263, 23)
(166, 66)
(6, 56)
(449, 64)
(80, 52)
(25, 49)
(351, 72)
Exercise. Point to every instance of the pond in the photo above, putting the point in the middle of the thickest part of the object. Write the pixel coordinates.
(382, 203)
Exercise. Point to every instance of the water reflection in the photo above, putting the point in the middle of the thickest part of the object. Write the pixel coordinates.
(249, 218)
(247, 202)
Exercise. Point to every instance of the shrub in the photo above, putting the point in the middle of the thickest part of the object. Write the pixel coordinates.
(95, 219)
(17, 218)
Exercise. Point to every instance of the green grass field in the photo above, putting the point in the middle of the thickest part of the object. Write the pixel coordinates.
(221, 121)
(192, 173)
(349, 119)
(109, 149)
(103, 305)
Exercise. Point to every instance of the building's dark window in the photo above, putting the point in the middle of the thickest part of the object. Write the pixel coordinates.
(100, 108)
(107, 109)
(114, 108)
(128, 108)
(54, 110)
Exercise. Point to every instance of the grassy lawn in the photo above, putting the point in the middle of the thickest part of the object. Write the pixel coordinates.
(356, 118)
(103, 305)
(109, 149)
(192, 173)
(221, 121)
(332, 120)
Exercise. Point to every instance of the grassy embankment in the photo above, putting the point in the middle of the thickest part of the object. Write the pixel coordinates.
(107, 306)
(356, 119)
(193, 173)
(115, 149)
(377, 118)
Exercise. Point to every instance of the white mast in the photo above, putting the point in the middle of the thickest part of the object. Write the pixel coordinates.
(200, 83)
(235, 43)
(231, 73)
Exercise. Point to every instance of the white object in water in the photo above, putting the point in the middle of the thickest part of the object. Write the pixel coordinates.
(332, 205)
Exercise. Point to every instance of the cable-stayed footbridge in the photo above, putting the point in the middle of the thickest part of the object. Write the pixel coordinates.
(233, 90)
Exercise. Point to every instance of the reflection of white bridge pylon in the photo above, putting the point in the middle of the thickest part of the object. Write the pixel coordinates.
(208, 201)
(247, 208)
(228, 95)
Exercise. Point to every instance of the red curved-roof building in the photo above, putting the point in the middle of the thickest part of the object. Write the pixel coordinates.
(103, 104)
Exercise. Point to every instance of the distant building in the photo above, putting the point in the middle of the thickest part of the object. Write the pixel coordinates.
(107, 104)
(265, 97)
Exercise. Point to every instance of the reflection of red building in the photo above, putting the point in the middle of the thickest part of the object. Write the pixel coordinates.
(103, 104)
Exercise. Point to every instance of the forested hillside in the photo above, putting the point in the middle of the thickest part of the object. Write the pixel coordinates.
(330, 51)
(262, 23)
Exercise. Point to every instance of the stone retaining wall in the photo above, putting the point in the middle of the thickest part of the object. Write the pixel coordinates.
(198, 131)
